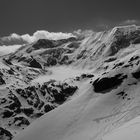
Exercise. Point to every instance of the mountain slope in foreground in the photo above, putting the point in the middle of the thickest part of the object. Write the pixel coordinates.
(82, 87)
(128, 131)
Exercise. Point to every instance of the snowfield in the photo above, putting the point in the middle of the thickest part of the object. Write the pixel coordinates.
(129, 131)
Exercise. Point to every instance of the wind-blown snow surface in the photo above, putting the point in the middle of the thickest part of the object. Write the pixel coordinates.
(129, 131)
(77, 88)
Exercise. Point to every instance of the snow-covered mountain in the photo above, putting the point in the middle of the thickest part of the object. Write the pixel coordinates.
(81, 87)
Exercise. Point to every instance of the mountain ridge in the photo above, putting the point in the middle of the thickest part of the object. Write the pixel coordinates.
(65, 89)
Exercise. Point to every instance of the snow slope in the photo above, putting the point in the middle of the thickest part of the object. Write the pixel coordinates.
(89, 116)
(129, 131)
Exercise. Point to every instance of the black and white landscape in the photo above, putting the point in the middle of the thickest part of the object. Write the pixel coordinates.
(69, 70)
(83, 85)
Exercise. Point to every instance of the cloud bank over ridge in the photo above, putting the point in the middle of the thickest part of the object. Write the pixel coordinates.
(41, 34)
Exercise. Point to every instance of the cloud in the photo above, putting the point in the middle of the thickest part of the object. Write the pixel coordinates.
(42, 34)
(130, 21)
(14, 35)
(8, 49)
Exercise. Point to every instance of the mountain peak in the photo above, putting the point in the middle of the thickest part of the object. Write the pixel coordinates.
(124, 29)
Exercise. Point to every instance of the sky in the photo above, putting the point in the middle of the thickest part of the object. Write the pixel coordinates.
(28, 16)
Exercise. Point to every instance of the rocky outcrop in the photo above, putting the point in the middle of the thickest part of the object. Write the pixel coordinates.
(107, 84)
(20, 121)
(136, 74)
(5, 135)
(1, 81)
(33, 63)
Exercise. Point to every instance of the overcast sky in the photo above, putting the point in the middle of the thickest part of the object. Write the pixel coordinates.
(27, 16)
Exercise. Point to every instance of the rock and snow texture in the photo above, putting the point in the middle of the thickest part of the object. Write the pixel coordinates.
(77, 87)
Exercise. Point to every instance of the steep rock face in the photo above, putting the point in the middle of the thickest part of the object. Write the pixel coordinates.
(124, 38)
(34, 63)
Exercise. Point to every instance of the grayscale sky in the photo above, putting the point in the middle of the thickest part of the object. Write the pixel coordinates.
(27, 16)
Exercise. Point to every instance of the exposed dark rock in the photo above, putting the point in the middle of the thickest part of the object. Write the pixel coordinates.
(27, 111)
(87, 76)
(134, 83)
(74, 45)
(21, 59)
(107, 84)
(18, 121)
(22, 93)
(133, 58)
(7, 61)
(51, 61)
(64, 60)
(123, 40)
(2, 100)
(5, 134)
(2, 81)
(11, 71)
(118, 65)
(136, 74)
(110, 59)
(81, 54)
(136, 40)
(37, 115)
(61, 95)
(35, 64)
(122, 95)
(1, 74)
(127, 65)
(15, 105)
(48, 108)
(44, 43)
(7, 113)
(30, 95)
